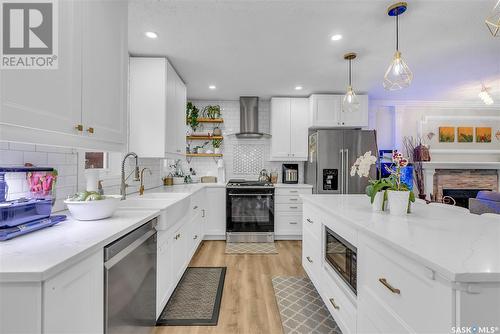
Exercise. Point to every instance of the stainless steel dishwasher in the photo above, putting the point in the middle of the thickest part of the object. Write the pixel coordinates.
(130, 282)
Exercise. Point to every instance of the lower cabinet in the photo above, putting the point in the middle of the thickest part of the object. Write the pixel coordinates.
(288, 211)
(73, 299)
(215, 214)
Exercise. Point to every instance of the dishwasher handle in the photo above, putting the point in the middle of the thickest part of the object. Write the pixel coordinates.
(129, 249)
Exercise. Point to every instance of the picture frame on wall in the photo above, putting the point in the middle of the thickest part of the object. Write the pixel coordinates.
(446, 134)
(465, 134)
(483, 135)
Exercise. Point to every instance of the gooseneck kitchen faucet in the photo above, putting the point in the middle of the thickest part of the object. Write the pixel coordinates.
(124, 185)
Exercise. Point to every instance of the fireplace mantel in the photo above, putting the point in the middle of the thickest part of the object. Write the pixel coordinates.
(431, 167)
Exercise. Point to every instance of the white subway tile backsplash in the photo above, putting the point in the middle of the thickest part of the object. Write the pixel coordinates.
(11, 158)
(4, 145)
(35, 158)
(56, 159)
(21, 147)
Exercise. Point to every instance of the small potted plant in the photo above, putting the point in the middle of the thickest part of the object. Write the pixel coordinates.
(192, 114)
(398, 194)
(216, 143)
(212, 111)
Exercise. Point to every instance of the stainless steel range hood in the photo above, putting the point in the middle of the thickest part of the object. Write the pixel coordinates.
(249, 118)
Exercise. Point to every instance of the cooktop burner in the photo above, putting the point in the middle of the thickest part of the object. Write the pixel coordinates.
(248, 183)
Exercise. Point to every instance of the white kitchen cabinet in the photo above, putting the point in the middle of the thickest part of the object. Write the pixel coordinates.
(288, 211)
(215, 220)
(77, 291)
(157, 108)
(83, 102)
(289, 128)
(105, 69)
(326, 111)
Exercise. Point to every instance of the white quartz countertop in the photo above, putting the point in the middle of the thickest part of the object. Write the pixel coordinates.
(459, 246)
(40, 255)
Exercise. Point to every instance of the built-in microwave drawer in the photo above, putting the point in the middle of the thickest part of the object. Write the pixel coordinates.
(404, 287)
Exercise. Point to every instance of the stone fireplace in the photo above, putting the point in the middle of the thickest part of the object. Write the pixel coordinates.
(460, 180)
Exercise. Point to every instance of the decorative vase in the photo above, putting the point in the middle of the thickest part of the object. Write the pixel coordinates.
(398, 202)
(378, 202)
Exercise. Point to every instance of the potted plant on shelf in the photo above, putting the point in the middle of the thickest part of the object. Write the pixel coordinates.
(216, 143)
(398, 194)
(212, 111)
(362, 167)
(192, 114)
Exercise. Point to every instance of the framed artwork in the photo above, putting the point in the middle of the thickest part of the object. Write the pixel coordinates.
(483, 135)
(465, 134)
(446, 134)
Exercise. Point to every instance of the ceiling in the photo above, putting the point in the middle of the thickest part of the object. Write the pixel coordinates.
(266, 48)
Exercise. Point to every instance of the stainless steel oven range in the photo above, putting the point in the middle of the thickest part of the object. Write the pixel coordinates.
(250, 211)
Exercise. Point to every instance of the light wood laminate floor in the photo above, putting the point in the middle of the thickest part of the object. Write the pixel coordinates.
(248, 303)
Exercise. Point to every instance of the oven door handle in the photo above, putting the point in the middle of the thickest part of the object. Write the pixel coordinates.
(250, 194)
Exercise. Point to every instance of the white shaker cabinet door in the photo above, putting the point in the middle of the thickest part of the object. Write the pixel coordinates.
(215, 221)
(325, 110)
(104, 70)
(299, 120)
(76, 292)
(280, 128)
(357, 118)
(48, 99)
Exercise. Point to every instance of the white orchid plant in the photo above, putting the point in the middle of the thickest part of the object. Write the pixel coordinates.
(363, 164)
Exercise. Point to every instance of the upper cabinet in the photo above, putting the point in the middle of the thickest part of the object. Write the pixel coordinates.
(326, 111)
(82, 103)
(289, 128)
(157, 108)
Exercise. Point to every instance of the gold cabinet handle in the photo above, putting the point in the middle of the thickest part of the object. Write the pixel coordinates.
(335, 306)
(195, 207)
(309, 221)
(79, 127)
(309, 259)
(294, 207)
(388, 286)
(195, 237)
(293, 223)
(294, 199)
(90, 130)
(294, 191)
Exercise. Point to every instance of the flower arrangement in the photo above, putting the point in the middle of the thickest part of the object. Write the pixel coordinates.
(382, 190)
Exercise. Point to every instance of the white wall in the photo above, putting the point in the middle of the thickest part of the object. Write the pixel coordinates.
(394, 120)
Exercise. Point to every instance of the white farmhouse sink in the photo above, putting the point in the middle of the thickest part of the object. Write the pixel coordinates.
(172, 208)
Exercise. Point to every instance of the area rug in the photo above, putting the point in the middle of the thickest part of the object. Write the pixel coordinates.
(301, 308)
(196, 299)
(251, 248)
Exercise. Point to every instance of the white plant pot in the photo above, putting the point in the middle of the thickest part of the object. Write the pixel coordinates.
(217, 150)
(178, 180)
(378, 202)
(398, 202)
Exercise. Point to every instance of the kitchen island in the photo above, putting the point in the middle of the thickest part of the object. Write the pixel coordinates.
(427, 272)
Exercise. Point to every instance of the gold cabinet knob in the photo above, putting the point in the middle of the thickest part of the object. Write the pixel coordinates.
(90, 130)
(79, 127)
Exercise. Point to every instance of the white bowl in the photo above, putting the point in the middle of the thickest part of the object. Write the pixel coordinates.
(93, 210)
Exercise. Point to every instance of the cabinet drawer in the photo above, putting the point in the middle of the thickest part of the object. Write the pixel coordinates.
(312, 223)
(287, 224)
(291, 208)
(285, 199)
(339, 305)
(311, 258)
(292, 191)
(404, 287)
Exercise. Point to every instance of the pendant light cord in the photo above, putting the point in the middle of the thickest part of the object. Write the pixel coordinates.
(397, 32)
(349, 72)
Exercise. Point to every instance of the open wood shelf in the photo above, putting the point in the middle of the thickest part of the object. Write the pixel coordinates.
(210, 120)
(204, 155)
(203, 137)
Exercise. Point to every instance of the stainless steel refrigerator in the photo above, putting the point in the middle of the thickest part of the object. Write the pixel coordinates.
(331, 155)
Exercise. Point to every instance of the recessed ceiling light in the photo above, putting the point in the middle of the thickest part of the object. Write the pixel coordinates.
(212, 87)
(336, 37)
(298, 87)
(151, 34)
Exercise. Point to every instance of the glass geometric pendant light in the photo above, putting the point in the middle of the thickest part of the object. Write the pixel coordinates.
(350, 102)
(398, 75)
(493, 20)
